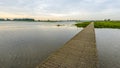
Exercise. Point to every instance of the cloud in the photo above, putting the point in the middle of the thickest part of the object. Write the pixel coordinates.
(79, 9)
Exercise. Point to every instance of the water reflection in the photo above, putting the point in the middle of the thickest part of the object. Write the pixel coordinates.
(108, 43)
(25, 45)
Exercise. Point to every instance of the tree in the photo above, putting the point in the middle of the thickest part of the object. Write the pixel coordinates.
(1, 19)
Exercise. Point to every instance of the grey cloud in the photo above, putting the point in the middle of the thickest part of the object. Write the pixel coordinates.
(65, 8)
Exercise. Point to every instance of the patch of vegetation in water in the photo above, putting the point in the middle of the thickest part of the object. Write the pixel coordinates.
(101, 24)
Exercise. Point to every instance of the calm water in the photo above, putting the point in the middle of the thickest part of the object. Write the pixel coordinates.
(26, 44)
(108, 43)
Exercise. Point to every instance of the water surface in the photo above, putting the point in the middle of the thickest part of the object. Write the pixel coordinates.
(108, 44)
(26, 44)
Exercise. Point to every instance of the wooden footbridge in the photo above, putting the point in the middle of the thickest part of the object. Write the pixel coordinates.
(79, 52)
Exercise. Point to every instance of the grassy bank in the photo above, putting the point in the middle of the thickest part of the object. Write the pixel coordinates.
(101, 24)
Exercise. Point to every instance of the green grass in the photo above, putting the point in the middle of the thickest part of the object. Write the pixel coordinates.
(101, 24)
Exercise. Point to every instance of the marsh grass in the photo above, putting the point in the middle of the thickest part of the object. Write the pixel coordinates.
(101, 24)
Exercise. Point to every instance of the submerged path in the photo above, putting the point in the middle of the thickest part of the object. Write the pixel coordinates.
(79, 52)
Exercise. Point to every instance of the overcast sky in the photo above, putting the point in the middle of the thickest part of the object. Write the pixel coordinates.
(60, 9)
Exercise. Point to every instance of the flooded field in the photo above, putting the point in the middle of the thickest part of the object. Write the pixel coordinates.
(26, 44)
(108, 44)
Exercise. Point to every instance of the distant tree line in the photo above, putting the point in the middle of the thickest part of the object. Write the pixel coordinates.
(24, 19)
(1, 19)
(17, 19)
(31, 19)
(107, 19)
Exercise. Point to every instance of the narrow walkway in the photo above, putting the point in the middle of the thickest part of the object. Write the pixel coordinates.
(79, 52)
